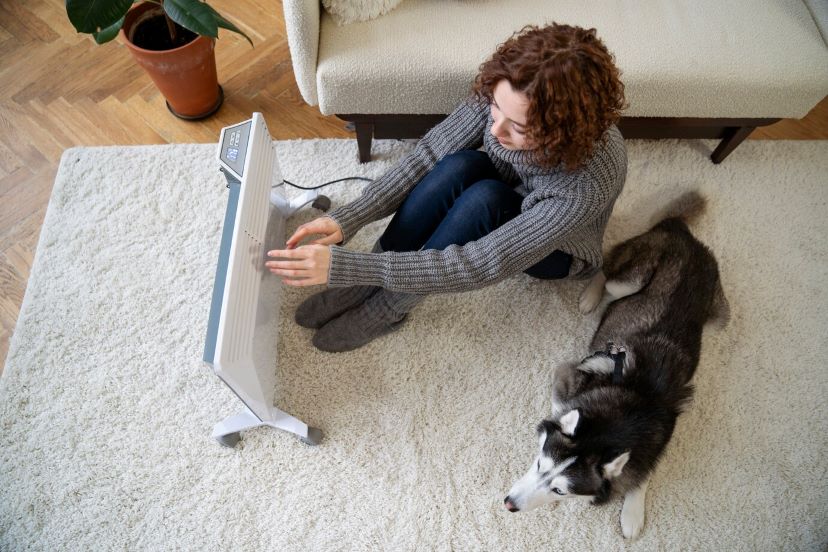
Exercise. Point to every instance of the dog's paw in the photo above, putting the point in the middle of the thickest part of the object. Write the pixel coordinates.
(590, 298)
(586, 305)
(592, 294)
(632, 516)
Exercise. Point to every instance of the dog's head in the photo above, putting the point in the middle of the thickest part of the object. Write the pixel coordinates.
(571, 464)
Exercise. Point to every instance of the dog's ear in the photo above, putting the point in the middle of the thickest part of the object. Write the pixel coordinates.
(541, 431)
(569, 422)
(545, 428)
(613, 468)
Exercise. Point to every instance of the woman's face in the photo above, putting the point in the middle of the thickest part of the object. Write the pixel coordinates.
(509, 113)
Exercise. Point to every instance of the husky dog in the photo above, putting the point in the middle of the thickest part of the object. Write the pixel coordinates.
(614, 412)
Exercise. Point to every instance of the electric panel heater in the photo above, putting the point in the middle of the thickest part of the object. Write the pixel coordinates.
(243, 328)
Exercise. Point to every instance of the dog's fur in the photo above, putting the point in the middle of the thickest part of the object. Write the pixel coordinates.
(659, 290)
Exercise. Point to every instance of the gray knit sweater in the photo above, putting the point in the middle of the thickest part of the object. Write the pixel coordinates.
(561, 210)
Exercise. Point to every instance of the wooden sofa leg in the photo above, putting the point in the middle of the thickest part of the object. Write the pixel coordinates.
(365, 134)
(732, 138)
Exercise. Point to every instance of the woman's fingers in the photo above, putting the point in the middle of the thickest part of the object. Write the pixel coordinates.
(286, 254)
(290, 262)
(301, 282)
(322, 225)
(293, 265)
(304, 266)
(290, 272)
(327, 240)
(297, 236)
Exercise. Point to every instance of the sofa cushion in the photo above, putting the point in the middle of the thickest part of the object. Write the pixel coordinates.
(679, 58)
(345, 12)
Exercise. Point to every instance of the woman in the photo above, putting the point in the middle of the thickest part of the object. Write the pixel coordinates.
(536, 200)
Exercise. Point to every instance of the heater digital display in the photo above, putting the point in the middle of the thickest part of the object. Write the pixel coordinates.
(234, 146)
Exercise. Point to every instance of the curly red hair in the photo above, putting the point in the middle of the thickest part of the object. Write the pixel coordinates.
(574, 89)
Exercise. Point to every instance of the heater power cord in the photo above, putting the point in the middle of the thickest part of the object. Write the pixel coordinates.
(323, 185)
(323, 203)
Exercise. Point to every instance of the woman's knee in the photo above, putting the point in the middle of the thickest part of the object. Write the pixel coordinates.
(489, 194)
(451, 176)
(464, 159)
(482, 208)
(465, 165)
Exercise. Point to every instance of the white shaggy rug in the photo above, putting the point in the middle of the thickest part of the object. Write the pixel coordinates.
(107, 409)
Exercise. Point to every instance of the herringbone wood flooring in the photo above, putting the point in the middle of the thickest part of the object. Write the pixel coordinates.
(58, 89)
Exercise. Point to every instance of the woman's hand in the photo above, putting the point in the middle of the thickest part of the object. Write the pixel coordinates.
(304, 266)
(324, 226)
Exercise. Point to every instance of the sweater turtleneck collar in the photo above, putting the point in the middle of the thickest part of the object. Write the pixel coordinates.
(520, 159)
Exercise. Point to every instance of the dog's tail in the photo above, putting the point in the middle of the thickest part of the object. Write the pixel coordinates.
(687, 207)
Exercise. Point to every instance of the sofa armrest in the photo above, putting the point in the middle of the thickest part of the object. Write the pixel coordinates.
(302, 24)
(819, 11)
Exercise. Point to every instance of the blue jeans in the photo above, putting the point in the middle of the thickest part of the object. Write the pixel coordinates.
(461, 200)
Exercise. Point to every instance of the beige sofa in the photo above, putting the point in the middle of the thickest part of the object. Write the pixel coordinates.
(692, 68)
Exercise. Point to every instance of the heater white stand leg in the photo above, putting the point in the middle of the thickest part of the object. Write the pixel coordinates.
(227, 432)
(288, 207)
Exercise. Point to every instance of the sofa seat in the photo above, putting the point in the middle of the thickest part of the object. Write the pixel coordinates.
(701, 59)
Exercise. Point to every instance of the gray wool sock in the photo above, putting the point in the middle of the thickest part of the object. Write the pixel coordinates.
(320, 308)
(382, 313)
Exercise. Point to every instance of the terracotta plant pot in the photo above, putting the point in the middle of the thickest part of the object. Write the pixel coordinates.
(186, 75)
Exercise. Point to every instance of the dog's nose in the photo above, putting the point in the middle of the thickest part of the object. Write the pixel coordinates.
(509, 506)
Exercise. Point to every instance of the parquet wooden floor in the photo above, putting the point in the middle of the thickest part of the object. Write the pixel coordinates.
(58, 89)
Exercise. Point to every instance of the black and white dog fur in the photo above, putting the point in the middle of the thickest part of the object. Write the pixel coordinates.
(605, 436)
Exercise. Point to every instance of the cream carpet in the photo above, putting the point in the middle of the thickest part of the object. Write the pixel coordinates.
(107, 409)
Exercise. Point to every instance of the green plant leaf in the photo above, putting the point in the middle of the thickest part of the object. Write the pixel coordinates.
(105, 35)
(193, 15)
(93, 16)
(226, 24)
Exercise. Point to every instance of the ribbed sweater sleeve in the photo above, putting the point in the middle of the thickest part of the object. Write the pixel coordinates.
(462, 129)
(555, 211)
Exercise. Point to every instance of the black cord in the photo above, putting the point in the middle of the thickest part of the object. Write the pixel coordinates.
(326, 183)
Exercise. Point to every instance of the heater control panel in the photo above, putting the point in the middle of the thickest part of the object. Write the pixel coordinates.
(233, 147)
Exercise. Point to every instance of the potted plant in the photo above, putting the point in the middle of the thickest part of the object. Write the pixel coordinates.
(173, 40)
